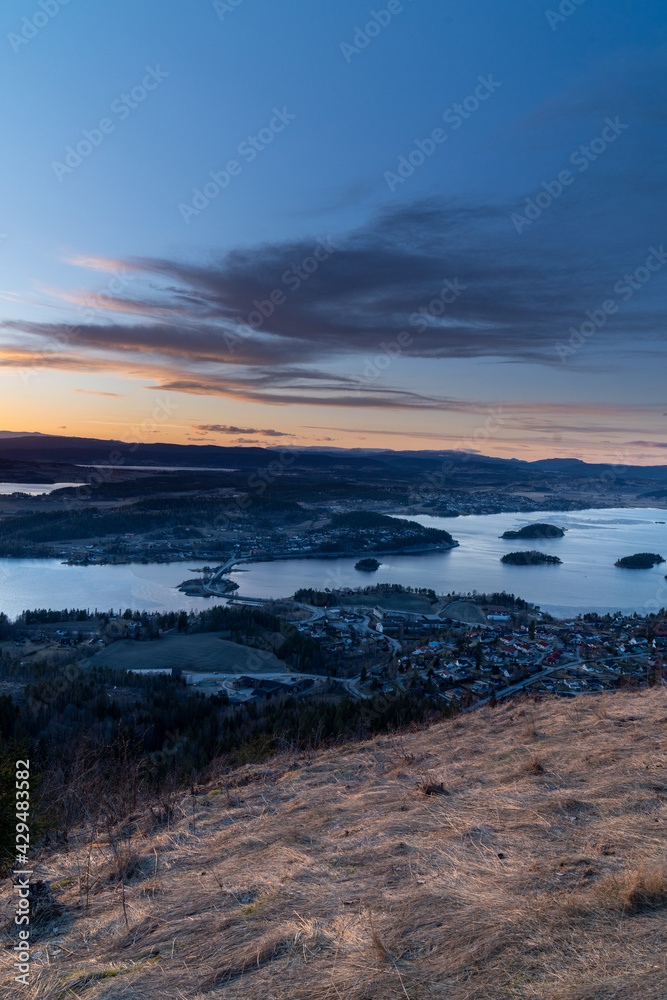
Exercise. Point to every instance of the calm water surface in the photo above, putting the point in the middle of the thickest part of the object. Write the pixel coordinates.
(47, 583)
(586, 580)
(34, 489)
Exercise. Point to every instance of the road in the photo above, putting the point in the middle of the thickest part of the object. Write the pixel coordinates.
(513, 688)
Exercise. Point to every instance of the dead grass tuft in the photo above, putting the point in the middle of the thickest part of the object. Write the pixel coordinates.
(534, 765)
(529, 732)
(377, 942)
(634, 891)
(123, 866)
(600, 708)
(429, 787)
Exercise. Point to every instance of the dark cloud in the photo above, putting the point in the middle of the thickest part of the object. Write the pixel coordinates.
(330, 333)
(229, 429)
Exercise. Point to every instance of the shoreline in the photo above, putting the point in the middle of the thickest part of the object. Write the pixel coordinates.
(415, 550)
(149, 559)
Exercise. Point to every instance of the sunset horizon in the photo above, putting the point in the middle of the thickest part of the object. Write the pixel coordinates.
(295, 261)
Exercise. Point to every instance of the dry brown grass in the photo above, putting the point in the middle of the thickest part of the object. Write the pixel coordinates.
(340, 876)
(534, 765)
(634, 890)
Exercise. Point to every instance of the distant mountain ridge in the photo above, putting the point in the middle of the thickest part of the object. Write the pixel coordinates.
(35, 446)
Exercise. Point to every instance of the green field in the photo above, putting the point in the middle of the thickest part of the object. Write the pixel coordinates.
(198, 653)
(464, 611)
(390, 602)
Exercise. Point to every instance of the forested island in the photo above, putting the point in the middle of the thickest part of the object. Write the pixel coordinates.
(360, 530)
(369, 565)
(640, 560)
(538, 530)
(531, 558)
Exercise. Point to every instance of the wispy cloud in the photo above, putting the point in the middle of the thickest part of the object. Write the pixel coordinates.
(93, 392)
(229, 429)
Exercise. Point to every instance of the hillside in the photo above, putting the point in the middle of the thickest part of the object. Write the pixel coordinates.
(205, 652)
(514, 853)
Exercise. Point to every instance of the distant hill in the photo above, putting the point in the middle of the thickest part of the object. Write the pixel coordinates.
(55, 448)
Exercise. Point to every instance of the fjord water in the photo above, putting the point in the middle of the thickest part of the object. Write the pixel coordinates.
(33, 489)
(587, 580)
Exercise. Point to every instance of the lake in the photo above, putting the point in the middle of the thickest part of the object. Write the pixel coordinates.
(34, 489)
(586, 580)
(48, 583)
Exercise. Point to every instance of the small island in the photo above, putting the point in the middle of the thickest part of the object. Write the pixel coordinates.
(538, 530)
(368, 565)
(640, 560)
(197, 587)
(532, 558)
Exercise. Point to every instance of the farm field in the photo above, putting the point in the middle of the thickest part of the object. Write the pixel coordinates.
(203, 653)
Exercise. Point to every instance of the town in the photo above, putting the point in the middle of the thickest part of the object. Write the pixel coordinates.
(455, 652)
(499, 651)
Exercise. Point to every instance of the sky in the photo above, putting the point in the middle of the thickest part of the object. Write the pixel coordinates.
(410, 225)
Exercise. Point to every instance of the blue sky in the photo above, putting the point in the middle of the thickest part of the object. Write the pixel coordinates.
(118, 222)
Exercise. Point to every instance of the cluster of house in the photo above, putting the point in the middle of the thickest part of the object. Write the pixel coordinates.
(489, 502)
(344, 633)
(564, 658)
(262, 689)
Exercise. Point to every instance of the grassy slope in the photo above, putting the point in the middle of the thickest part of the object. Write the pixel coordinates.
(335, 875)
(199, 652)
